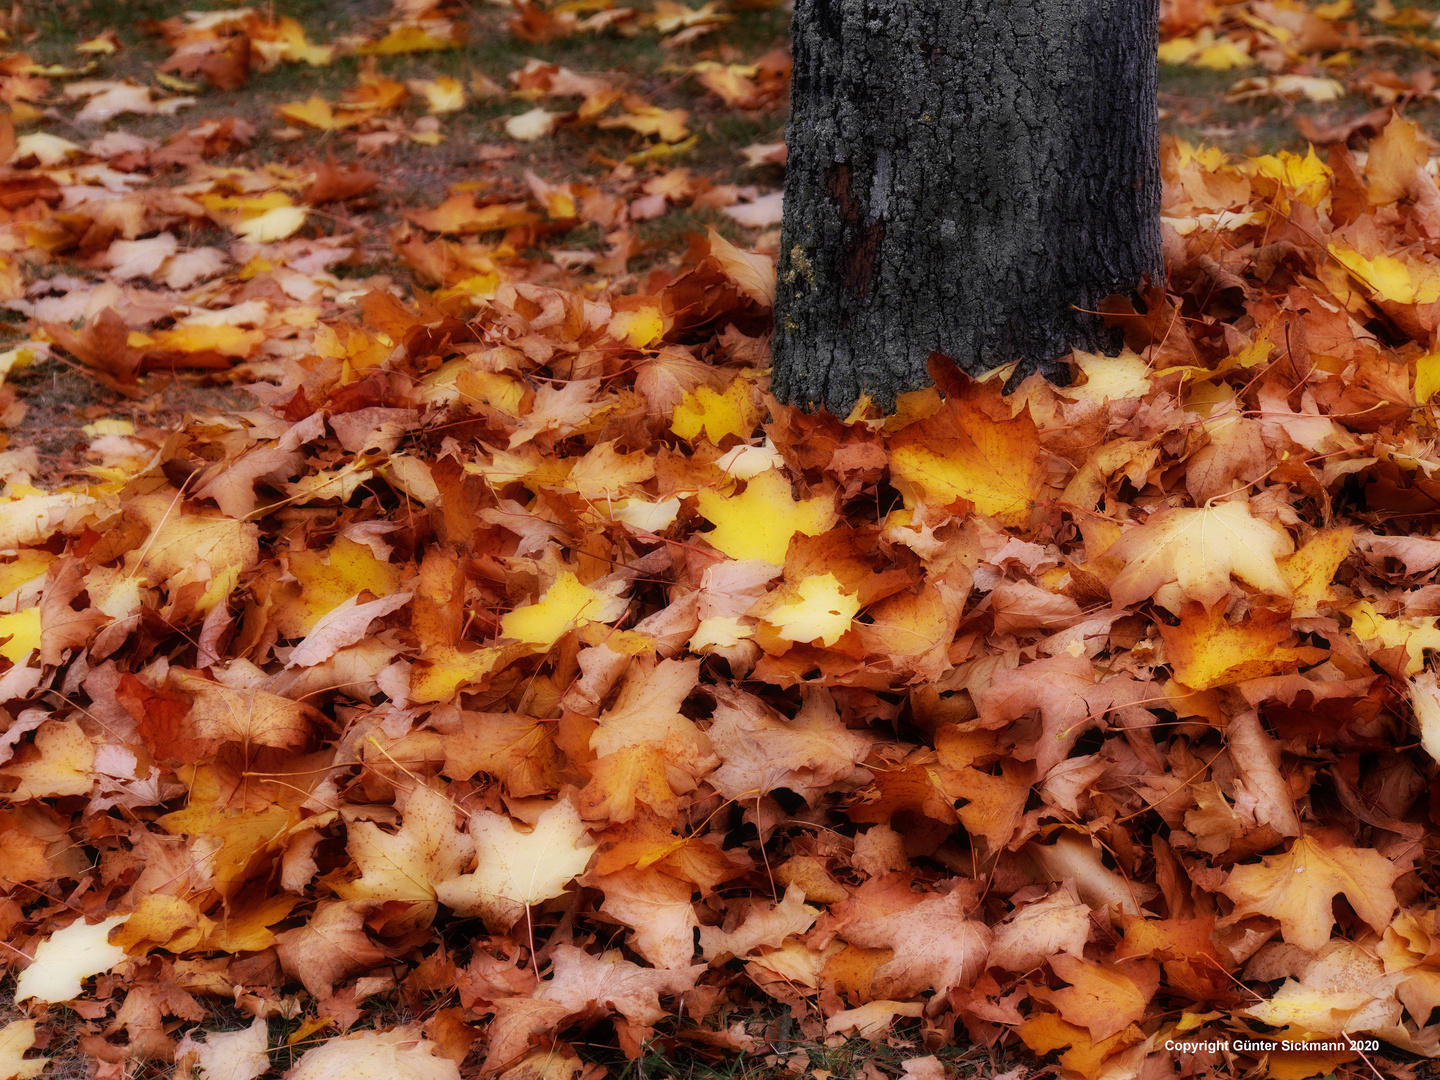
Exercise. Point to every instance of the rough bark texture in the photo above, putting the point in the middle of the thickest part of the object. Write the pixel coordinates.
(963, 175)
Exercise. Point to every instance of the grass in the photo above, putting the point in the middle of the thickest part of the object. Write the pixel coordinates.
(779, 1051)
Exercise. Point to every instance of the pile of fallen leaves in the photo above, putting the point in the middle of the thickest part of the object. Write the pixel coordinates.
(522, 667)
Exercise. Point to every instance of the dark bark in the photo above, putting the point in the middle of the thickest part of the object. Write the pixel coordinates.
(963, 176)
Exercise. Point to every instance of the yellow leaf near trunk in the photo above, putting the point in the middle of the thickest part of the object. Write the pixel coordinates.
(1199, 550)
(973, 451)
(759, 522)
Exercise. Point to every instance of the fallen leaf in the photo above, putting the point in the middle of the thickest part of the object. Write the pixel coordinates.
(1296, 888)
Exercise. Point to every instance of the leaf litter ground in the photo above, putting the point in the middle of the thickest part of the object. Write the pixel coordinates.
(512, 677)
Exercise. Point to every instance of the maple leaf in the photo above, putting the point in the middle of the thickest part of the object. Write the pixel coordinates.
(658, 911)
(822, 613)
(647, 713)
(873, 1019)
(66, 958)
(252, 717)
(330, 946)
(760, 929)
(566, 605)
(515, 868)
(1207, 650)
(1045, 1032)
(1069, 699)
(17, 1037)
(1411, 634)
(1101, 997)
(1073, 858)
(230, 1055)
(514, 748)
(1199, 550)
(627, 777)
(580, 981)
(760, 751)
(1392, 160)
(328, 579)
(179, 544)
(1296, 888)
(973, 450)
(937, 945)
(1425, 700)
(1346, 988)
(342, 626)
(409, 865)
(759, 522)
(1311, 570)
(62, 765)
(733, 413)
(1039, 931)
(398, 1054)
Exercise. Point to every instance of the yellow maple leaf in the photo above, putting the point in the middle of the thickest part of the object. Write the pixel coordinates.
(66, 958)
(1289, 176)
(1311, 570)
(316, 112)
(759, 522)
(565, 606)
(161, 922)
(965, 452)
(1415, 633)
(225, 340)
(1427, 377)
(1111, 378)
(516, 868)
(61, 766)
(732, 413)
(408, 38)
(1297, 888)
(405, 866)
(822, 613)
(1398, 280)
(441, 670)
(640, 326)
(28, 565)
(284, 39)
(328, 579)
(180, 542)
(247, 927)
(15, 1038)
(668, 125)
(441, 95)
(20, 633)
(1207, 650)
(1044, 1032)
(274, 224)
(244, 836)
(1199, 549)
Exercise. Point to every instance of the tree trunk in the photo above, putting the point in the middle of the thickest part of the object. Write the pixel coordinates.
(967, 176)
